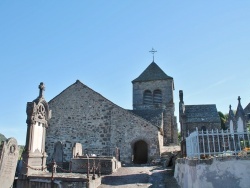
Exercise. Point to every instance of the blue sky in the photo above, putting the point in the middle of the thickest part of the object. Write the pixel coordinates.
(204, 46)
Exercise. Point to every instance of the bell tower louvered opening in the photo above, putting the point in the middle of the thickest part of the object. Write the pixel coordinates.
(157, 96)
(147, 97)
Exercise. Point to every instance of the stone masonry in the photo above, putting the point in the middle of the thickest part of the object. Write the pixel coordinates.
(81, 115)
(154, 79)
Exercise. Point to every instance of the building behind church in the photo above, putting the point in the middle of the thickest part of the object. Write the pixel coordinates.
(203, 117)
(81, 115)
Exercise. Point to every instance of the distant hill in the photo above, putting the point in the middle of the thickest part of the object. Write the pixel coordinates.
(2, 138)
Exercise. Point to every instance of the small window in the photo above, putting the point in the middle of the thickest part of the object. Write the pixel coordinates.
(147, 97)
(157, 96)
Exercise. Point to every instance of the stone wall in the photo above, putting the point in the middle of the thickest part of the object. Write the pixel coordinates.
(166, 87)
(60, 180)
(81, 115)
(191, 127)
(169, 120)
(229, 172)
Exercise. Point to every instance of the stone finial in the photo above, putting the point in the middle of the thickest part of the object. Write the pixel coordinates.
(230, 107)
(181, 95)
(41, 89)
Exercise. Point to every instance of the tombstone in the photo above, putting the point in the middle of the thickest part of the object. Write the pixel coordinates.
(77, 150)
(9, 153)
(58, 153)
(38, 115)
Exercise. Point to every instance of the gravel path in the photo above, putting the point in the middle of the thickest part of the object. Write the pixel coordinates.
(140, 176)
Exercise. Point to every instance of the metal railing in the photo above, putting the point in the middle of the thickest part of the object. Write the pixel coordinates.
(216, 143)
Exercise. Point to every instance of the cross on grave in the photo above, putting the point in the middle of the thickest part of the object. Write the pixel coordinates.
(41, 89)
(153, 51)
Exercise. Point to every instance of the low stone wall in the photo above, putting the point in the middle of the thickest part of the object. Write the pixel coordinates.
(61, 180)
(108, 164)
(229, 172)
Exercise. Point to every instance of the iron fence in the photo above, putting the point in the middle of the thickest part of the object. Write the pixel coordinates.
(216, 143)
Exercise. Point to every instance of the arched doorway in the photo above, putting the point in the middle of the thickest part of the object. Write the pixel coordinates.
(140, 152)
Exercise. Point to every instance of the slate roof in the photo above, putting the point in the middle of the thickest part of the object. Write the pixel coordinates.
(247, 109)
(201, 113)
(152, 72)
(153, 116)
(239, 112)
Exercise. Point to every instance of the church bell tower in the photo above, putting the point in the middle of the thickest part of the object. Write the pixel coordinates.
(153, 90)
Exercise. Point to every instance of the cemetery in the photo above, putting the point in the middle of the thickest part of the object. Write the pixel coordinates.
(209, 156)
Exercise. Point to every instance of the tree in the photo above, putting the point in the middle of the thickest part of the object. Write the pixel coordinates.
(2, 138)
(223, 119)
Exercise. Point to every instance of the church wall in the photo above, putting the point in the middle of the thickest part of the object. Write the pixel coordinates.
(127, 129)
(191, 127)
(175, 132)
(170, 126)
(81, 115)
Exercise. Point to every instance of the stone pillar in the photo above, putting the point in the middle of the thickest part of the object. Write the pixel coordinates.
(34, 155)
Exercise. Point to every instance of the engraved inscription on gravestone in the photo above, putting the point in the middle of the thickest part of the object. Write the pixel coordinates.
(9, 152)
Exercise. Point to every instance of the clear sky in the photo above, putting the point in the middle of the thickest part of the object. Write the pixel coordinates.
(203, 45)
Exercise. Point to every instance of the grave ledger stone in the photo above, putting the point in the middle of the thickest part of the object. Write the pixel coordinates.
(9, 152)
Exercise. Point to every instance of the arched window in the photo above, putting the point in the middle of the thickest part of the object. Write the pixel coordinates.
(147, 97)
(157, 96)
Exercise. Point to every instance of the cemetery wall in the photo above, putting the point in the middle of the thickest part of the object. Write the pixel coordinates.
(230, 172)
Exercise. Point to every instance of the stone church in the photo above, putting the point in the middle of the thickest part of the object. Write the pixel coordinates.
(82, 115)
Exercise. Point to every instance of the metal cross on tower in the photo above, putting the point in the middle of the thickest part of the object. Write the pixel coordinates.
(153, 51)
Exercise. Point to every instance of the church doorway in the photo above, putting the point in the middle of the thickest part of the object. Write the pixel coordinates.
(140, 152)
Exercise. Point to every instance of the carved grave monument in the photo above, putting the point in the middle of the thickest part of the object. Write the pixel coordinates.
(34, 171)
(34, 155)
(9, 152)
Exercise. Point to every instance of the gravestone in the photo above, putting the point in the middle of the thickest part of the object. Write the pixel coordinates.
(77, 150)
(9, 152)
(58, 153)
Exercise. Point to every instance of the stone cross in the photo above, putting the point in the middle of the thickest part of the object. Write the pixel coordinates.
(153, 51)
(41, 89)
(239, 99)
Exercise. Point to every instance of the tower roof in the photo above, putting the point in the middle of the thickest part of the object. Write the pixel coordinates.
(152, 72)
(231, 115)
(239, 111)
